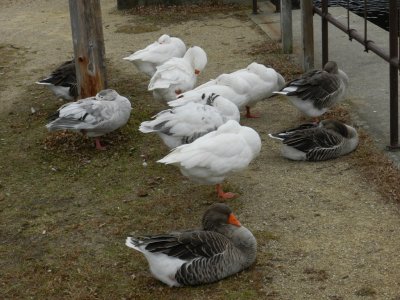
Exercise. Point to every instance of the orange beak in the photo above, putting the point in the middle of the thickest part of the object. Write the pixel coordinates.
(197, 72)
(232, 220)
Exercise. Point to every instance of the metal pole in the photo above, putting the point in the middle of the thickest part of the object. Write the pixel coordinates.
(307, 30)
(89, 51)
(286, 26)
(394, 92)
(324, 30)
(255, 7)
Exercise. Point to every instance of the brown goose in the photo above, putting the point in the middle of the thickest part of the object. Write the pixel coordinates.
(316, 142)
(222, 248)
(318, 90)
(62, 81)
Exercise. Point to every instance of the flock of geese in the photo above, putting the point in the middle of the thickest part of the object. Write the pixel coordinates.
(201, 127)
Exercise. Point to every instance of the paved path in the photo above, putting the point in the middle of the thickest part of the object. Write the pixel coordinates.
(369, 74)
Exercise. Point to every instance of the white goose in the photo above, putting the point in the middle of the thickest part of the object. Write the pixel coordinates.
(212, 157)
(62, 81)
(244, 87)
(178, 75)
(316, 142)
(261, 81)
(93, 116)
(157, 53)
(221, 248)
(184, 124)
(209, 87)
(318, 90)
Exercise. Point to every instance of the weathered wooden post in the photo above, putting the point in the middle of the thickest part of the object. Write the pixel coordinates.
(286, 26)
(307, 34)
(89, 51)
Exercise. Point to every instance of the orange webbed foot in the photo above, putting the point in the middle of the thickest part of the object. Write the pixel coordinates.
(250, 115)
(224, 195)
(98, 145)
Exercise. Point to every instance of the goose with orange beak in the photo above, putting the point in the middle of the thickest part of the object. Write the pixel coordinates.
(221, 248)
(178, 75)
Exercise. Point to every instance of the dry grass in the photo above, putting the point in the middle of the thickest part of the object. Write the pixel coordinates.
(377, 168)
(66, 209)
(171, 14)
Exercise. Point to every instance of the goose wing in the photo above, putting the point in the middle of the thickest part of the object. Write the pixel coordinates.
(83, 114)
(174, 71)
(189, 121)
(187, 245)
(64, 75)
(318, 86)
(317, 143)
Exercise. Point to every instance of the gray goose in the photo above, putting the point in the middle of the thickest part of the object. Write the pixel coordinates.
(221, 248)
(318, 90)
(93, 116)
(62, 81)
(316, 142)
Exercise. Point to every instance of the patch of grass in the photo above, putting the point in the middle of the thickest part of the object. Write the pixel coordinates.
(376, 167)
(66, 208)
(175, 14)
(365, 292)
(12, 58)
(134, 29)
(316, 275)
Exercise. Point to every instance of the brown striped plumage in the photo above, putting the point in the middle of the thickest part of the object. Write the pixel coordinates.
(218, 250)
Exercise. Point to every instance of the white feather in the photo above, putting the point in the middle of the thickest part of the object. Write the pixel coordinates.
(244, 87)
(177, 75)
(162, 266)
(183, 124)
(155, 54)
(210, 158)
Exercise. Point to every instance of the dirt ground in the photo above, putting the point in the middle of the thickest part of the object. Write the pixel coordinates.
(324, 231)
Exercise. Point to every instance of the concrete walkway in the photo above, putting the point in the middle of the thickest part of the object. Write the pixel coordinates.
(369, 74)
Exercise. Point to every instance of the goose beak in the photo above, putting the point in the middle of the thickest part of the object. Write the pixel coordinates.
(196, 71)
(232, 220)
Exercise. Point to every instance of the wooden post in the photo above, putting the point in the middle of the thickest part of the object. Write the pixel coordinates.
(286, 26)
(307, 33)
(87, 36)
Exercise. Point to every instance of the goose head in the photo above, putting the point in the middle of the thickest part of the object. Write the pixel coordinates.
(219, 217)
(343, 129)
(165, 38)
(197, 57)
(267, 74)
(253, 140)
(331, 67)
(107, 95)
